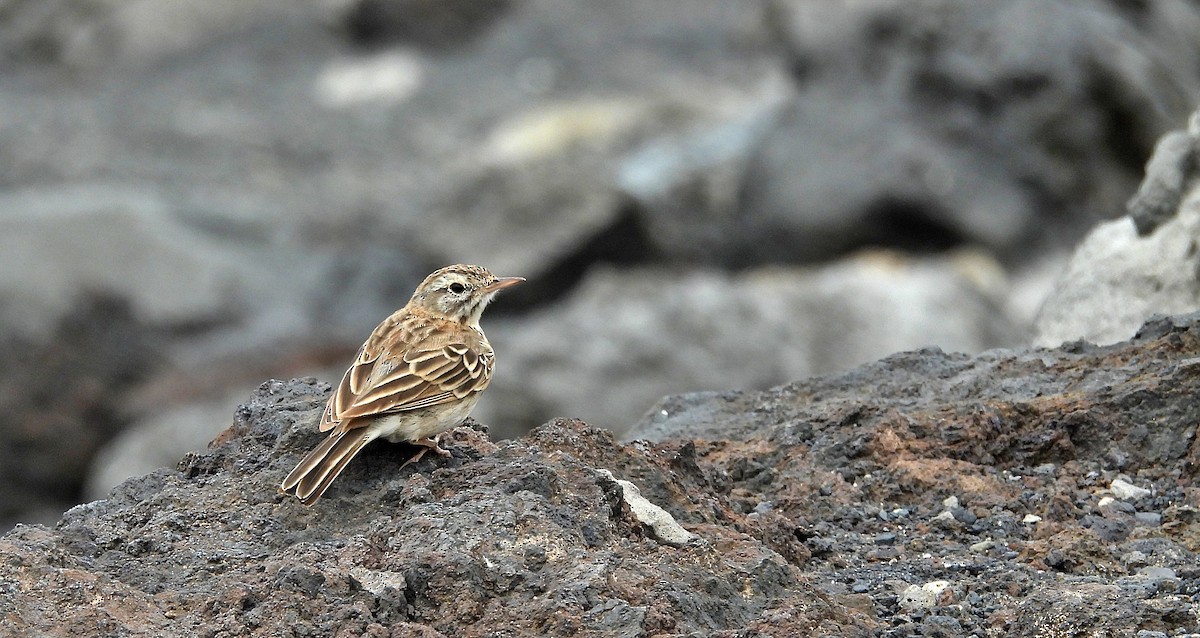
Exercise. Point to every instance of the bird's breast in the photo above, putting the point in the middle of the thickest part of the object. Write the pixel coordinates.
(426, 422)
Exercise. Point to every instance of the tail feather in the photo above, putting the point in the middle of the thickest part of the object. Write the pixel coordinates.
(317, 470)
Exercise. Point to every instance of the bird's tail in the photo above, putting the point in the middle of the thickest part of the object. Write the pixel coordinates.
(316, 472)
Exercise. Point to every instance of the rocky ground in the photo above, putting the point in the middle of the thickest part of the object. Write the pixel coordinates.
(1015, 493)
(257, 183)
(202, 194)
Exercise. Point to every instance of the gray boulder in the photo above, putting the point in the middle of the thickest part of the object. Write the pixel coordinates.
(63, 399)
(1013, 125)
(1128, 269)
(626, 338)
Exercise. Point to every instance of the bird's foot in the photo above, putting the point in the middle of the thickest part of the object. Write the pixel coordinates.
(427, 445)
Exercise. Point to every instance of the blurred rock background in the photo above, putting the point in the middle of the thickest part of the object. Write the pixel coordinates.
(198, 195)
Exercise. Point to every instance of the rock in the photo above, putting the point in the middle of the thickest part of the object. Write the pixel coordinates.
(905, 131)
(663, 526)
(1089, 608)
(536, 187)
(946, 519)
(1108, 502)
(63, 397)
(86, 34)
(757, 329)
(154, 442)
(928, 431)
(524, 535)
(963, 515)
(700, 175)
(1160, 577)
(1127, 491)
(982, 546)
(536, 164)
(1117, 279)
(886, 538)
(914, 379)
(1148, 519)
(259, 124)
(941, 626)
(199, 277)
(1128, 269)
(219, 285)
(1134, 559)
(925, 596)
(391, 78)
(1170, 173)
(436, 24)
(900, 130)
(119, 242)
(783, 486)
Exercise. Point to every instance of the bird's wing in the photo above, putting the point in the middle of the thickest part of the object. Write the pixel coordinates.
(380, 382)
(352, 381)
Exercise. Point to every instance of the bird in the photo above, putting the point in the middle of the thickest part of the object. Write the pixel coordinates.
(419, 374)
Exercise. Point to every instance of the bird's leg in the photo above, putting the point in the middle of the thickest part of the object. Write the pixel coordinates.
(432, 444)
(427, 444)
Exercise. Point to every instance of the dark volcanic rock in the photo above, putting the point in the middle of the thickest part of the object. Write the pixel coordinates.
(1014, 493)
(271, 178)
(996, 474)
(903, 108)
(523, 538)
(61, 399)
(434, 24)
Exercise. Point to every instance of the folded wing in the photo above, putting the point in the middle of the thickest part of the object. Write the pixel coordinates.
(383, 383)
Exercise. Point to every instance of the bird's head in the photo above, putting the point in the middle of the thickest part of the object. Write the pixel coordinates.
(460, 292)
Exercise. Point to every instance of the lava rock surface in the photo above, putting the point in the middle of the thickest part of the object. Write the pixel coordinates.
(1037, 492)
(522, 538)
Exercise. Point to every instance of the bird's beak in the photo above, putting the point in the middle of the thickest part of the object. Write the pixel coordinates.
(502, 283)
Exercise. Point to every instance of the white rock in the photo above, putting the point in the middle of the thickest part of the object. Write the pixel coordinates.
(1117, 279)
(377, 582)
(925, 596)
(945, 518)
(666, 529)
(1127, 491)
(391, 77)
(983, 546)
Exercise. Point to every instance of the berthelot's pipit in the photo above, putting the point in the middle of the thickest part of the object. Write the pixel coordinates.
(419, 374)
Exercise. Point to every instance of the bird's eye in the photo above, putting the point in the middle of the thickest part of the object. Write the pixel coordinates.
(457, 288)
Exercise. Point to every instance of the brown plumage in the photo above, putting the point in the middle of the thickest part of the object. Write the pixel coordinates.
(419, 374)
